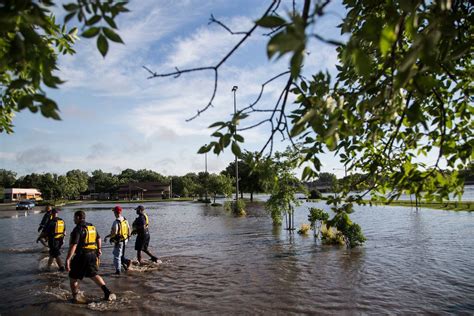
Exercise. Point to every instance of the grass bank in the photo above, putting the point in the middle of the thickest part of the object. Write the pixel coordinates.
(466, 206)
(70, 202)
(446, 205)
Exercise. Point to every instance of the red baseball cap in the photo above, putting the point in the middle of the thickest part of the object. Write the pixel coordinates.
(117, 209)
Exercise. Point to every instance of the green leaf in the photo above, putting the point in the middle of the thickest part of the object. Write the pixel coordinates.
(112, 35)
(49, 109)
(18, 84)
(387, 38)
(226, 140)
(216, 124)
(362, 62)
(217, 134)
(25, 102)
(91, 32)
(204, 149)
(110, 22)
(69, 17)
(296, 62)
(282, 43)
(70, 7)
(102, 45)
(93, 20)
(238, 138)
(270, 21)
(236, 149)
(308, 173)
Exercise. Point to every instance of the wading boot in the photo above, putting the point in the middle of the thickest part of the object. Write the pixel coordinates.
(108, 296)
(79, 298)
(127, 265)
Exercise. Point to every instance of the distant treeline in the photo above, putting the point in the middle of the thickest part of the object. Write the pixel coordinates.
(75, 183)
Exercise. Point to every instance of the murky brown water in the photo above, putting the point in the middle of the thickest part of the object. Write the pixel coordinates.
(212, 263)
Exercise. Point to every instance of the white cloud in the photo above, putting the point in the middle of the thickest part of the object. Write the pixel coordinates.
(206, 46)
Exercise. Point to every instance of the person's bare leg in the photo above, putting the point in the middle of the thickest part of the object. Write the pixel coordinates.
(98, 280)
(59, 262)
(74, 286)
(153, 258)
(139, 256)
(77, 296)
(50, 262)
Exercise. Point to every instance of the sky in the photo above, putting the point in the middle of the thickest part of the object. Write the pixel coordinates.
(114, 117)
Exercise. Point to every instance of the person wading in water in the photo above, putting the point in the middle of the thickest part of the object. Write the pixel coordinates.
(44, 223)
(55, 231)
(84, 250)
(119, 234)
(140, 228)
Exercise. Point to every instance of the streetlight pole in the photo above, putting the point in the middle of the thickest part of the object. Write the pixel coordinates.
(205, 167)
(234, 89)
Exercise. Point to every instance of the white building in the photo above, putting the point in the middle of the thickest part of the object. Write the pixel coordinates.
(18, 194)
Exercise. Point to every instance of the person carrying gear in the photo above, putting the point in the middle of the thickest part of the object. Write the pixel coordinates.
(140, 228)
(44, 223)
(119, 235)
(54, 231)
(84, 250)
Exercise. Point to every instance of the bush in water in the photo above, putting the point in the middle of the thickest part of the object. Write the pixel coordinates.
(304, 229)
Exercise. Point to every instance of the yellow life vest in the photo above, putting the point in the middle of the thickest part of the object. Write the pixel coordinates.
(90, 242)
(146, 221)
(123, 232)
(59, 229)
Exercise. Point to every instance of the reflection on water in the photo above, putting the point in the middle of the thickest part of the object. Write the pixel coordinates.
(213, 263)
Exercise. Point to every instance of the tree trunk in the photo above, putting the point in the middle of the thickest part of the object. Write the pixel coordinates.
(251, 196)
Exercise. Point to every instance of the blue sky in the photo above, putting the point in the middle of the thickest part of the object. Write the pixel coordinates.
(114, 118)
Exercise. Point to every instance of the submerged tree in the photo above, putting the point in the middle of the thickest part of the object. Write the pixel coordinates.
(283, 186)
(219, 184)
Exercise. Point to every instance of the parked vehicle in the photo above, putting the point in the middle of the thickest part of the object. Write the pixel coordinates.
(25, 205)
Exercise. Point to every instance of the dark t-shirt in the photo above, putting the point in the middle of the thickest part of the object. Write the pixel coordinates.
(45, 220)
(78, 234)
(140, 225)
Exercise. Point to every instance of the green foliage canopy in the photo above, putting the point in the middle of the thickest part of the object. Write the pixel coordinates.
(30, 42)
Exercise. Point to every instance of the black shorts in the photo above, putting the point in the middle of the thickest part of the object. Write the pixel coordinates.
(85, 264)
(142, 242)
(55, 245)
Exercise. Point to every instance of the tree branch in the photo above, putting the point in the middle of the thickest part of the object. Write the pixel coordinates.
(215, 68)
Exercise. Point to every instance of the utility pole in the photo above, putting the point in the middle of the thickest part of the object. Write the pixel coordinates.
(171, 187)
(234, 89)
(207, 182)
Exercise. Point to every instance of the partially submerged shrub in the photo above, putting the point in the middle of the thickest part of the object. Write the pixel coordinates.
(315, 194)
(330, 235)
(316, 217)
(237, 209)
(304, 229)
(339, 230)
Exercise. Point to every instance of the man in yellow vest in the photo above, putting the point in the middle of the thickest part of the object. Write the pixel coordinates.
(54, 231)
(140, 228)
(84, 250)
(119, 235)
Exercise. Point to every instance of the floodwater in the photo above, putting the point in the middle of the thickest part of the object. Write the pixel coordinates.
(414, 262)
